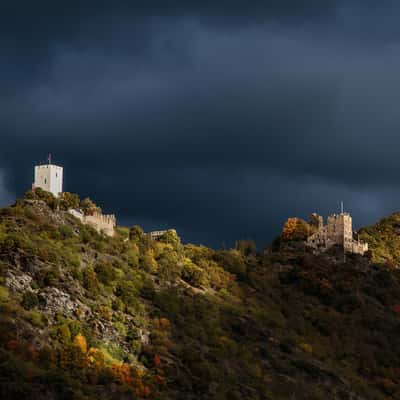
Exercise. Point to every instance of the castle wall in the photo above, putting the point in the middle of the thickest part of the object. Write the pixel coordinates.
(100, 222)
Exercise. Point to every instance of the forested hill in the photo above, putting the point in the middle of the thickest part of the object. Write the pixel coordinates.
(84, 316)
(384, 240)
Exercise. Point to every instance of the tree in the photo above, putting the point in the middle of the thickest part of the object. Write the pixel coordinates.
(232, 261)
(193, 274)
(171, 237)
(40, 194)
(148, 262)
(128, 292)
(295, 229)
(168, 263)
(105, 272)
(80, 342)
(136, 233)
(89, 207)
(69, 200)
(90, 282)
(246, 247)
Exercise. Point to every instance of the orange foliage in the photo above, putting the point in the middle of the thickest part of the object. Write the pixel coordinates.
(80, 342)
(162, 323)
(32, 353)
(95, 358)
(23, 349)
(165, 323)
(295, 229)
(122, 373)
(157, 360)
(159, 379)
(325, 284)
(146, 392)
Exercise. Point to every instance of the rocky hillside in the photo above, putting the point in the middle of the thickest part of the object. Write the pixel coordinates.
(84, 316)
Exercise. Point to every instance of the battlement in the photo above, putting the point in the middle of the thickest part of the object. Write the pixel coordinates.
(100, 222)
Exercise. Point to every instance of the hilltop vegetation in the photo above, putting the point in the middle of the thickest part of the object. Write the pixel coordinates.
(384, 239)
(86, 316)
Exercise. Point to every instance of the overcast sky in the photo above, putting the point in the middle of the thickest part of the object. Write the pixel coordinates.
(218, 118)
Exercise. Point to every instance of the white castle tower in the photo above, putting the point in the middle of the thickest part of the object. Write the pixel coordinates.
(49, 177)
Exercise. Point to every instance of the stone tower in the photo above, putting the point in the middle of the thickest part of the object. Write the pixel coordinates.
(337, 232)
(49, 177)
(340, 229)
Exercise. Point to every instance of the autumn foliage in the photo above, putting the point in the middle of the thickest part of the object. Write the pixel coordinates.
(295, 229)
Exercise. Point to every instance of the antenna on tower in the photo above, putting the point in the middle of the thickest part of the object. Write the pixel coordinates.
(341, 207)
(49, 158)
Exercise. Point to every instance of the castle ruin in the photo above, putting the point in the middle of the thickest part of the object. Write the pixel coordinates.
(100, 222)
(49, 177)
(337, 232)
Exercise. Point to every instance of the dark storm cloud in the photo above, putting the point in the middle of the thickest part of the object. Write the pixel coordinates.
(221, 121)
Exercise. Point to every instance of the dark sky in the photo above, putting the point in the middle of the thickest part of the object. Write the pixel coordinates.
(218, 118)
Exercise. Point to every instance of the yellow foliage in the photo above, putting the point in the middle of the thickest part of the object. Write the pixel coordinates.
(307, 348)
(80, 342)
(295, 229)
(95, 357)
(122, 373)
(105, 312)
(3, 294)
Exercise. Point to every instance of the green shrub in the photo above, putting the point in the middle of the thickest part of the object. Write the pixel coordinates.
(121, 328)
(194, 275)
(69, 200)
(136, 233)
(128, 292)
(29, 300)
(51, 278)
(104, 271)
(3, 294)
(65, 232)
(232, 261)
(90, 282)
(35, 318)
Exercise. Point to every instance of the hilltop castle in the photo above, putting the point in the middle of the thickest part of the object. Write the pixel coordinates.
(337, 232)
(49, 177)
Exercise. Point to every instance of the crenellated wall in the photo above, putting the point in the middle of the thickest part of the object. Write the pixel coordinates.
(100, 222)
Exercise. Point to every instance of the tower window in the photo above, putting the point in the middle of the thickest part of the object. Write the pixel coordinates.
(45, 180)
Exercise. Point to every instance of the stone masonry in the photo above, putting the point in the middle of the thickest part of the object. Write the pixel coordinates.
(337, 232)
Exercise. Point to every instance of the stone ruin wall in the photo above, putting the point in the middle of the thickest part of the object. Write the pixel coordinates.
(338, 231)
(102, 223)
